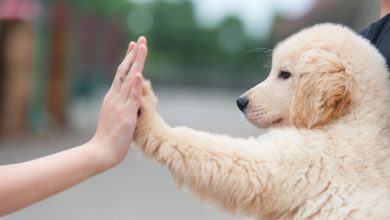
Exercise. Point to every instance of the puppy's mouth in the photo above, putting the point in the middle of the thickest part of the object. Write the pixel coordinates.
(277, 121)
(264, 123)
(272, 123)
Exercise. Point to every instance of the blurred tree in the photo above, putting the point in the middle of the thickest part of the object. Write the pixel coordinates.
(181, 49)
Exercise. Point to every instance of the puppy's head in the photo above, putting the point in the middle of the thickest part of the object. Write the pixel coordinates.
(309, 85)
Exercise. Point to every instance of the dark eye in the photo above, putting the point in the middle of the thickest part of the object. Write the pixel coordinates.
(284, 74)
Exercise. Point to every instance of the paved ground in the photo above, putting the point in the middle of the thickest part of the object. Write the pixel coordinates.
(137, 189)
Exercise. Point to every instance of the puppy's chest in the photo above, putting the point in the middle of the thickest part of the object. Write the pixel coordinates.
(361, 160)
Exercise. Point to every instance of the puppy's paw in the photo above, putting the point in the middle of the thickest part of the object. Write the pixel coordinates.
(149, 124)
(147, 115)
(149, 100)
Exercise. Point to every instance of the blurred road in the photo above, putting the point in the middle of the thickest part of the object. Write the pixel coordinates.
(137, 189)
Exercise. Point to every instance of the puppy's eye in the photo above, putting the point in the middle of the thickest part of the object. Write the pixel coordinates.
(284, 74)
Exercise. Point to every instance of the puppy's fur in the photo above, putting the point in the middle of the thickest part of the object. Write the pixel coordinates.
(327, 154)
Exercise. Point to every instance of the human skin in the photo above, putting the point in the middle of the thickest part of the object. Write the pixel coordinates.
(23, 184)
(385, 7)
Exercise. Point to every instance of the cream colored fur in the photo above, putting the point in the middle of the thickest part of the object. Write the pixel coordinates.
(327, 154)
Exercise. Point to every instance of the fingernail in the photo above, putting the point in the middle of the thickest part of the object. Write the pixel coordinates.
(142, 39)
(131, 46)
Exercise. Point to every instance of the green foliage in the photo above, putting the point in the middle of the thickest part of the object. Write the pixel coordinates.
(179, 46)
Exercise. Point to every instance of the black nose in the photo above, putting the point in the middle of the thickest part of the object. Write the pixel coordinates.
(242, 102)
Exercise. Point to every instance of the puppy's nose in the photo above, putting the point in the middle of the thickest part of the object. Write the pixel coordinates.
(242, 103)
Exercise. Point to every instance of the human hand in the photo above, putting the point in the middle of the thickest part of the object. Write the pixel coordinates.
(32, 181)
(118, 114)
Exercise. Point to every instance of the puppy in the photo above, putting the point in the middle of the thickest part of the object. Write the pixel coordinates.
(327, 153)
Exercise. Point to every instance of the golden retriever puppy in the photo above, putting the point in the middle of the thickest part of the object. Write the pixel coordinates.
(327, 153)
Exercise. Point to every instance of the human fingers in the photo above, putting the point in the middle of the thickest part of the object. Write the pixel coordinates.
(124, 67)
(140, 59)
(127, 89)
(135, 95)
(130, 47)
(142, 40)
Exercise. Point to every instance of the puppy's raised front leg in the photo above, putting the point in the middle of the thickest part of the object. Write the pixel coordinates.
(237, 174)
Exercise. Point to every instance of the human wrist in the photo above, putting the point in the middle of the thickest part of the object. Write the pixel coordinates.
(96, 156)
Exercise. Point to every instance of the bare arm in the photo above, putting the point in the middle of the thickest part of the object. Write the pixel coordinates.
(26, 183)
(248, 176)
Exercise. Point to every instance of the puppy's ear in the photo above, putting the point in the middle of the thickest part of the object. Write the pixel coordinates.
(324, 89)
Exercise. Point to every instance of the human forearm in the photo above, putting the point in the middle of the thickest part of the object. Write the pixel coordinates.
(25, 183)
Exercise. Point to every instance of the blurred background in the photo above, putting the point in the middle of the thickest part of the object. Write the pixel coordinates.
(57, 59)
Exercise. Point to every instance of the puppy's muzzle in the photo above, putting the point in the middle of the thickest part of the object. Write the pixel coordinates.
(242, 103)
